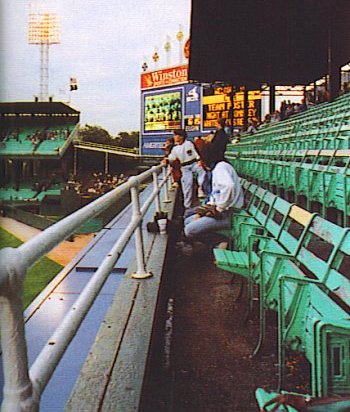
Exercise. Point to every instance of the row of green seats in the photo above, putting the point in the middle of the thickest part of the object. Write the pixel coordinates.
(298, 261)
(324, 126)
(23, 145)
(321, 176)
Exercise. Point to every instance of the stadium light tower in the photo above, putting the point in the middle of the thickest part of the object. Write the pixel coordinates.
(43, 30)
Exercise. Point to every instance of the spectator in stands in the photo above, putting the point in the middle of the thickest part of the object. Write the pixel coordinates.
(283, 108)
(266, 121)
(345, 88)
(185, 152)
(226, 195)
(175, 166)
(236, 139)
(199, 144)
(42, 186)
(302, 106)
(275, 116)
(252, 127)
(289, 110)
(220, 138)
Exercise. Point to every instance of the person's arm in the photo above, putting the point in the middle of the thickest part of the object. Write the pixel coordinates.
(226, 189)
(172, 155)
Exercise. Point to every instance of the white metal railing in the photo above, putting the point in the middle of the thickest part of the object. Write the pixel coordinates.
(106, 148)
(23, 387)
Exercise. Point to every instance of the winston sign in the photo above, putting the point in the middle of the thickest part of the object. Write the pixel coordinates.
(164, 77)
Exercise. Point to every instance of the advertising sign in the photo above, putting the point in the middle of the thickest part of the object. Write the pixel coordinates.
(164, 77)
(152, 145)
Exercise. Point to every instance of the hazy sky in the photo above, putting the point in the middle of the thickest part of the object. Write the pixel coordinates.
(103, 45)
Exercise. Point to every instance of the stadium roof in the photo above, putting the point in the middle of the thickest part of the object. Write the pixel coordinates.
(249, 42)
(36, 108)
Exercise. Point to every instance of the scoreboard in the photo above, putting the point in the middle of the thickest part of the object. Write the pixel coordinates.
(169, 102)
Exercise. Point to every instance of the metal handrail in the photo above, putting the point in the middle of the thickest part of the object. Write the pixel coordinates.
(23, 387)
(71, 138)
(83, 143)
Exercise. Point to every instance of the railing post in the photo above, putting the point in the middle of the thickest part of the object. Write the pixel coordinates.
(141, 272)
(169, 181)
(166, 190)
(156, 188)
(19, 394)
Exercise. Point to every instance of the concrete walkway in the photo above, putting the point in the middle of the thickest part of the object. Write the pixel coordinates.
(61, 254)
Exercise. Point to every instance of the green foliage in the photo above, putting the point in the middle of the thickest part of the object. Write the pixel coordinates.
(39, 275)
(95, 134)
(129, 140)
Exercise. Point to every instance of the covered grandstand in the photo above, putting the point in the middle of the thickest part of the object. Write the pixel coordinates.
(36, 148)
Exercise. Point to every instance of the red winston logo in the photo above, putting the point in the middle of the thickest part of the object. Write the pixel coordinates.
(164, 77)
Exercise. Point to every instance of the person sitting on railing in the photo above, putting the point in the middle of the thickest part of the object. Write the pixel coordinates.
(226, 196)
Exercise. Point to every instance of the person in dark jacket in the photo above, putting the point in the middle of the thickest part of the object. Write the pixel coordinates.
(220, 139)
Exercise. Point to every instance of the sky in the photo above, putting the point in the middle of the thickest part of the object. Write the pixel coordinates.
(103, 45)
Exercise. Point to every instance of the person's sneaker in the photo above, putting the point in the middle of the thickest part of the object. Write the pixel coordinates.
(222, 245)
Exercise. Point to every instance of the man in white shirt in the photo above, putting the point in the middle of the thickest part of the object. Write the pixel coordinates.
(226, 195)
(185, 151)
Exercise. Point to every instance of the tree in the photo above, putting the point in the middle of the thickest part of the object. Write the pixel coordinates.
(95, 134)
(129, 140)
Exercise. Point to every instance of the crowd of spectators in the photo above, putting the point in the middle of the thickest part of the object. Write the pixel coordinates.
(95, 184)
(287, 109)
(37, 137)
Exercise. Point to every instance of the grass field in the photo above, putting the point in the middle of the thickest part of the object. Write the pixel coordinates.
(39, 275)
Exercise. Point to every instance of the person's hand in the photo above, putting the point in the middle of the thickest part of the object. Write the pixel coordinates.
(209, 211)
(299, 402)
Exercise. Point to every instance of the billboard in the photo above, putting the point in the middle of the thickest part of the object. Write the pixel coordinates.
(164, 77)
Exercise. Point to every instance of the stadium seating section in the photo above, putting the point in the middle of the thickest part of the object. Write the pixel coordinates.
(32, 143)
(295, 175)
(49, 141)
(305, 159)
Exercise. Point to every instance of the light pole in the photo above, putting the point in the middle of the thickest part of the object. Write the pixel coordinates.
(43, 30)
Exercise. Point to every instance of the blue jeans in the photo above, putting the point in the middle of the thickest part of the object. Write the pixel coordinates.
(187, 181)
(205, 228)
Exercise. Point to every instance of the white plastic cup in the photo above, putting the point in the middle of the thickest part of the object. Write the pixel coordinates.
(162, 226)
